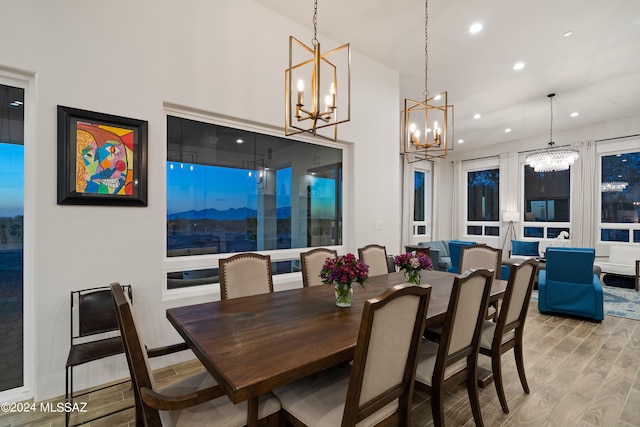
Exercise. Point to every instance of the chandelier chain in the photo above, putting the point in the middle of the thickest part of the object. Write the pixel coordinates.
(426, 50)
(315, 23)
(551, 121)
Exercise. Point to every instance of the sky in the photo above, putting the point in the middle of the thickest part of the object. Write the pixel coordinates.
(11, 180)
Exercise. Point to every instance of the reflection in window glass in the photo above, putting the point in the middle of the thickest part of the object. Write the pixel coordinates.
(534, 232)
(620, 186)
(474, 230)
(11, 236)
(546, 195)
(613, 235)
(483, 202)
(231, 190)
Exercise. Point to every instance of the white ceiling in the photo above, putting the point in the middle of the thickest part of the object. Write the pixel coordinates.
(595, 72)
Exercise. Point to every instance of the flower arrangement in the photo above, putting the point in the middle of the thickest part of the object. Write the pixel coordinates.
(411, 264)
(341, 272)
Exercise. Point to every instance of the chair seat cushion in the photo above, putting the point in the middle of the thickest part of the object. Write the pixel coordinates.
(319, 400)
(427, 363)
(216, 412)
(489, 330)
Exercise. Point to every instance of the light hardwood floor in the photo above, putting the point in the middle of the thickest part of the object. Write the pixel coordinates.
(580, 374)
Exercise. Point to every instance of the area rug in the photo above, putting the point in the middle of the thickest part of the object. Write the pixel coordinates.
(618, 302)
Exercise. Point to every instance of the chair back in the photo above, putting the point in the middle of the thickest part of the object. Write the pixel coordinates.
(581, 262)
(92, 312)
(481, 256)
(515, 302)
(135, 350)
(245, 274)
(455, 249)
(460, 337)
(375, 256)
(312, 262)
(384, 364)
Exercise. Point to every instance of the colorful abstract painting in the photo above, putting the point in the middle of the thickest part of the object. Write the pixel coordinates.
(104, 159)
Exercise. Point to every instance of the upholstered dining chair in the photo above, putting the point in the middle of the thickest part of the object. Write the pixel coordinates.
(506, 334)
(245, 274)
(455, 252)
(375, 256)
(312, 262)
(454, 359)
(195, 400)
(378, 389)
(480, 256)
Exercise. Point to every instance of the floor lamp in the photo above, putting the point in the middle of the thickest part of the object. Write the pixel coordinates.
(510, 217)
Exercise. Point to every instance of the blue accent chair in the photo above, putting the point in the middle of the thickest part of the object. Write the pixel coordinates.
(455, 247)
(569, 286)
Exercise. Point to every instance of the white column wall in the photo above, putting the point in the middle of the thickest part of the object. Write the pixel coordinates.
(128, 58)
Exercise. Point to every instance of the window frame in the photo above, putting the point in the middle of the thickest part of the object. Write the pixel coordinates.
(475, 166)
(425, 168)
(199, 262)
(27, 82)
(611, 148)
(545, 225)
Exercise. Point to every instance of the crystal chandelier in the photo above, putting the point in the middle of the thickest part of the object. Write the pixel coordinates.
(552, 159)
(306, 66)
(427, 129)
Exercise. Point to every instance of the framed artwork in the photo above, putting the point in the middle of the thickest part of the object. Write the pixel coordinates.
(102, 159)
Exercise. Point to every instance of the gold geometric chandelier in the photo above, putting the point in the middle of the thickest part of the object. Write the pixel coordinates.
(427, 126)
(552, 159)
(306, 67)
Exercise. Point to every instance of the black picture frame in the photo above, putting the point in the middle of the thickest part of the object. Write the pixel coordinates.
(102, 159)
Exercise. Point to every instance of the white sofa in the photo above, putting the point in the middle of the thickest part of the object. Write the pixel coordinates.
(623, 261)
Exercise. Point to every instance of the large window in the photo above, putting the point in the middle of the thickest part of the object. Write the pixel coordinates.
(483, 202)
(620, 197)
(233, 190)
(11, 237)
(546, 203)
(422, 204)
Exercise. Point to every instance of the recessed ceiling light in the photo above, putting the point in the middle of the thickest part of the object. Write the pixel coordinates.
(507, 130)
(518, 66)
(568, 33)
(575, 114)
(437, 97)
(475, 28)
(239, 141)
(476, 116)
(460, 141)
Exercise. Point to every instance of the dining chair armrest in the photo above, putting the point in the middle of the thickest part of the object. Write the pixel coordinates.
(168, 403)
(169, 349)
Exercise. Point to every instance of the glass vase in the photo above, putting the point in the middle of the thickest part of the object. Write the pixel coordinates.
(344, 294)
(412, 276)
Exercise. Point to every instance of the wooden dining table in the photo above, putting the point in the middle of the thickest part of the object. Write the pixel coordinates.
(252, 345)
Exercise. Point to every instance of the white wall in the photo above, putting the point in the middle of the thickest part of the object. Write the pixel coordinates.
(128, 58)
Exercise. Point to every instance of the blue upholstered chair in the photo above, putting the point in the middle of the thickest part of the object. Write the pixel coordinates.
(568, 285)
(455, 248)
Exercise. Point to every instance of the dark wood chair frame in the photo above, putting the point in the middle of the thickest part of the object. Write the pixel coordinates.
(303, 261)
(354, 413)
(443, 359)
(147, 401)
(92, 315)
(498, 347)
(222, 264)
(363, 250)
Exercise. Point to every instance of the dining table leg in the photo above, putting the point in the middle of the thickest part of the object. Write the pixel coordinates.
(252, 412)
